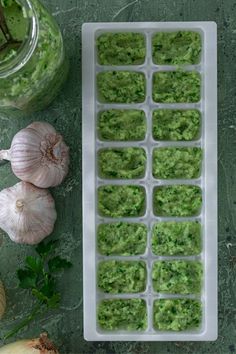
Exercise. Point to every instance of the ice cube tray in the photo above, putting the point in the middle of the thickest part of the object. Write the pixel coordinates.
(93, 107)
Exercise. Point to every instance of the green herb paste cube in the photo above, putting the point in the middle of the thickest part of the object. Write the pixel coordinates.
(176, 87)
(123, 48)
(177, 277)
(121, 87)
(122, 314)
(177, 314)
(174, 48)
(177, 200)
(173, 238)
(176, 125)
(173, 162)
(122, 239)
(121, 200)
(122, 125)
(116, 277)
(124, 163)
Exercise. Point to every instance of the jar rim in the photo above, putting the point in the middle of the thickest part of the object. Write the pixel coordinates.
(26, 50)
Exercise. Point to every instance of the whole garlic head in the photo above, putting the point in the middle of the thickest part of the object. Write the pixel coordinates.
(27, 213)
(2, 300)
(38, 155)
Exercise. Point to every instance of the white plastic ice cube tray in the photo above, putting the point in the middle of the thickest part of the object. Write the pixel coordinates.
(208, 180)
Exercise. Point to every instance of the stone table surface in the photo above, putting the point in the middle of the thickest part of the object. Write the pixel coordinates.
(65, 325)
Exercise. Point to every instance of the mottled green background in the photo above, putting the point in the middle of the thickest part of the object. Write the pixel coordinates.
(65, 326)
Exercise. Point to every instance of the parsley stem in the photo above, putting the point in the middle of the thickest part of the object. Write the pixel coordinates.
(37, 309)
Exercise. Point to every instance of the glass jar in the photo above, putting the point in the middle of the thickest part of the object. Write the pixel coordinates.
(33, 65)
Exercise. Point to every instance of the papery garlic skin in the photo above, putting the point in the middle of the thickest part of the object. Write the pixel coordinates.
(38, 155)
(2, 300)
(40, 345)
(27, 213)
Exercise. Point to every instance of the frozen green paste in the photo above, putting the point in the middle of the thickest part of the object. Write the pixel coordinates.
(126, 314)
(177, 277)
(36, 84)
(173, 48)
(122, 239)
(176, 238)
(122, 125)
(124, 48)
(173, 162)
(121, 200)
(176, 125)
(122, 163)
(176, 86)
(116, 277)
(121, 86)
(177, 314)
(177, 200)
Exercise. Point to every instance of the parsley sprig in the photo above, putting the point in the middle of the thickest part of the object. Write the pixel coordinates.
(38, 276)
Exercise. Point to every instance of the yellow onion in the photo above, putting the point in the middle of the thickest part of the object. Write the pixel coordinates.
(40, 345)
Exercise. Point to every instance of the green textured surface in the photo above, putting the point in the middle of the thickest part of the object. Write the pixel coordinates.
(121, 277)
(122, 163)
(65, 326)
(128, 314)
(177, 314)
(170, 238)
(176, 86)
(177, 277)
(174, 162)
(121, 239)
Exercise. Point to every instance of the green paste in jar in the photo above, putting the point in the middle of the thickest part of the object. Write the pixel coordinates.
(36, 83)
(116, 277)
(18, 25)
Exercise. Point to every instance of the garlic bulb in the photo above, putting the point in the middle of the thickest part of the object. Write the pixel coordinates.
(27, 213)
(38, 155)
(2, 300)
(40, 345)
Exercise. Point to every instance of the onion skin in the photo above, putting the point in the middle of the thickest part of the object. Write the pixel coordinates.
(40, 345)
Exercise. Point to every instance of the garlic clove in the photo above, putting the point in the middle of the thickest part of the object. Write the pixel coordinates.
(2, 300)
(38, 155)
(27, 213)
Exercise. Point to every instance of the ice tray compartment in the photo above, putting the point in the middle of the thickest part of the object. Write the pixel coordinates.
(151, 183)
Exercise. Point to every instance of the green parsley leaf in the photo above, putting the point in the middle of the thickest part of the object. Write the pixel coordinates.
(49, 286)
(27, 278)
(37, 276)
(39, 295)
(35, 264)
(54, 301)
(44, 249)
(57, 264)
